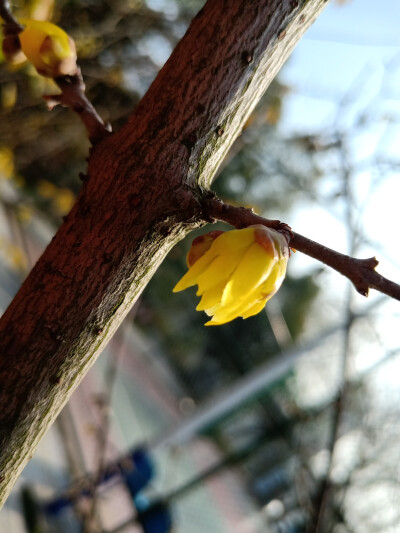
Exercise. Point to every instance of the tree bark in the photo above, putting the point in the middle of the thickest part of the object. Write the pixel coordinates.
(142, 194)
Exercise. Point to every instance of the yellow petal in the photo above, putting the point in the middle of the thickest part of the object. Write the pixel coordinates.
(219, 270)
(51, 50)
(264, 292)
(222, 315)
(190, 278)
(211, 298)
(48, 48)
(224, 244)
(233, 240)
(275, 279)
(253, 269)
(215, 322)
(254, 301)
(254, 309)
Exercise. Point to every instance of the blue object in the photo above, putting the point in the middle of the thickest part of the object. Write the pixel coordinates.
(142, 472)
(156, 518)
(136, 477)
(56, 506)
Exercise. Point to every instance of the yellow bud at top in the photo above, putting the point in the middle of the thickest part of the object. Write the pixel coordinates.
(48, 48)
(236, 271)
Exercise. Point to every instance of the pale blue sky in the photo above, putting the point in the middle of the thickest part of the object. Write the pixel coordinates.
(352, 49)
(347, 42)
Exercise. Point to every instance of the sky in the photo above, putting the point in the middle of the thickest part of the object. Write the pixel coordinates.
(348, 66)
(345, 40)
(350, 57)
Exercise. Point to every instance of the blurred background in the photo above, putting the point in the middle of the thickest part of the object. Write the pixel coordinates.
(288, 421)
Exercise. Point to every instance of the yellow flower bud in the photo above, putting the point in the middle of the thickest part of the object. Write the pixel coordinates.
(236, 271)
(51, 51)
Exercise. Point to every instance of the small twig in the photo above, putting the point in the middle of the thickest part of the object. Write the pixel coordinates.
(72, 87)
(105, 412)
(361, 272)
(11, 24)
(323, 500)
(73, 96)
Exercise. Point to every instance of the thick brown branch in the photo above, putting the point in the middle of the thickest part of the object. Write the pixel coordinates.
(361, 272)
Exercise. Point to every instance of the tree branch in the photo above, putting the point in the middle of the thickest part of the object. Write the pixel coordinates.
(73, 96)
(11, 24)
(361, 272)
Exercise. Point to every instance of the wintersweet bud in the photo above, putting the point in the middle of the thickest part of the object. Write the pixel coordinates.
(236, 271)
(51, 51)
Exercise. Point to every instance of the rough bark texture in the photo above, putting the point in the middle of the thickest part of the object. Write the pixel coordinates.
(141, 196)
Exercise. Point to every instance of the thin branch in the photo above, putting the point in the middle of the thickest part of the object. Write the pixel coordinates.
(361, 272)
(11, 24)
(72, 87)
(73, 96)
(105, 407)
(324, 501)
